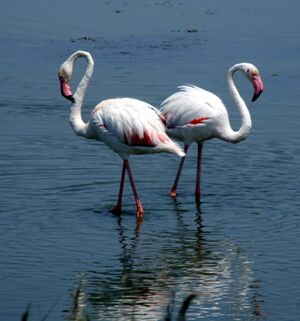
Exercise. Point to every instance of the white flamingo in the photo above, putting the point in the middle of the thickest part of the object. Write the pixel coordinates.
(195, 115)
(126, 125)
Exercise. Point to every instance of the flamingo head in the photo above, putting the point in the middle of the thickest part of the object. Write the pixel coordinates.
(65, 74)
(253, 75)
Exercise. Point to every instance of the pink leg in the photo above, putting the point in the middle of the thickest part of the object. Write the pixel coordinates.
(173, 192)
(198, 175)
(139, 207)
(118, 208)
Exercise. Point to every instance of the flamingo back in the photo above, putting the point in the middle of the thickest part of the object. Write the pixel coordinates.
(192, 114)
(133, 124)
(190, 105)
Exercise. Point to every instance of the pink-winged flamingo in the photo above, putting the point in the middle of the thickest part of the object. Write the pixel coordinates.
(126, 125)
(195, 115)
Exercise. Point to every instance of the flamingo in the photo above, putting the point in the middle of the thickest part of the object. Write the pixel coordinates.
(126, 125)
(195, 115)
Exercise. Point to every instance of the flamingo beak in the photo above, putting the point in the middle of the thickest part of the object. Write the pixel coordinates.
(65, 89)
(258, 86)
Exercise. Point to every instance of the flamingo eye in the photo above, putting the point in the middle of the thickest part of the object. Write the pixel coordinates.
(249, 72)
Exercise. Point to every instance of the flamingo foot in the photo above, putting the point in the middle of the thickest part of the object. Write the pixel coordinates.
(116, 210)
(173, 193)
(139, 210)
(198, 196)
(139, 214)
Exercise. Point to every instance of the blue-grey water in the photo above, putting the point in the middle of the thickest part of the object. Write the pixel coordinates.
(238, 251)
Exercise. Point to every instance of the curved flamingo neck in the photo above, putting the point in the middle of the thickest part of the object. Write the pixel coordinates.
(231, 135)
(79, 126)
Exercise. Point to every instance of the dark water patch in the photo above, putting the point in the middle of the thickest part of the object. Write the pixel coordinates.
(84, 39)
(137, 46)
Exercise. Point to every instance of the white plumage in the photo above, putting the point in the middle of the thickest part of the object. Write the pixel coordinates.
(189, 113)
(194, 115)
(130, 126)
(126, 125)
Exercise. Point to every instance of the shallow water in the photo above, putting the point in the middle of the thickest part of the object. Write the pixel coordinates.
(238, 250)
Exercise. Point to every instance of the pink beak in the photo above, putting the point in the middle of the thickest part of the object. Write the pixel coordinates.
(258, 86)
(65, 89)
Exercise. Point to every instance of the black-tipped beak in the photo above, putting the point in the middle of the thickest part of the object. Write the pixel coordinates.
(71, 98)
(258, 86)
(65, 89)
(256, 95)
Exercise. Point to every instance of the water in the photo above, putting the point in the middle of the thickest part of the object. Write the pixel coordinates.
(238, 251)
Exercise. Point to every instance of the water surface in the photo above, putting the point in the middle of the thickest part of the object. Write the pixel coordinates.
(238, 250)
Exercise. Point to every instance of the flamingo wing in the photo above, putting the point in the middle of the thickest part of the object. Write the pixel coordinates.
(190, 106)
(131, 122)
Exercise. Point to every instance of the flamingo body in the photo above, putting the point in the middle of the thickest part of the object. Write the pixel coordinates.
(130, 126)
(126, 125)
(195, 115)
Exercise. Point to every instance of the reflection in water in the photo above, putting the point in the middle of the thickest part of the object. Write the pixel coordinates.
(127, 253)
(185, 260)
(77, 310)
(182, 311)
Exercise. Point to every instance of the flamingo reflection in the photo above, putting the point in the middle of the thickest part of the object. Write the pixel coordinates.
(186, 260)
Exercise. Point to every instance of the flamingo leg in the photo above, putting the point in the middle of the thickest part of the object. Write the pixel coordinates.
(118, 208)
(198, 175)
(173, 192)
(139, 207)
